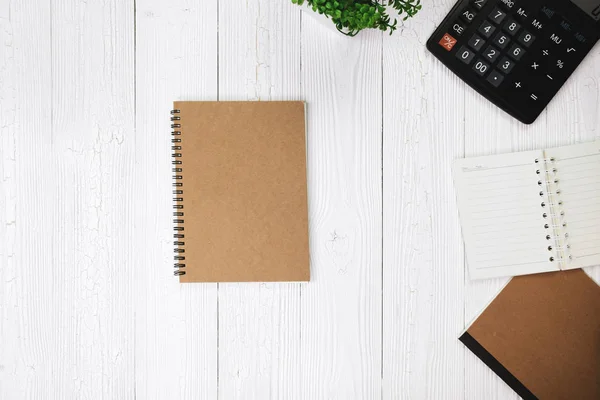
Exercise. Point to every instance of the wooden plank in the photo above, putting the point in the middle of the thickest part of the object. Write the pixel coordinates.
(92, 148)
(488, 130)
(176, 325)
(259, 323)
(423, 292)
(72, 109)
(341, 307)
(28, 333)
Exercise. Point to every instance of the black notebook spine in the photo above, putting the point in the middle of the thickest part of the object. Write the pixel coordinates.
(496, 366)
(178, 216)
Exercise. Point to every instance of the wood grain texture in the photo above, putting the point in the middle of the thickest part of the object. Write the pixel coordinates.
(341, 307)
(176, 325)
(73, 113)
(259, 323)
(89, 307)
(422, 249)
(92, 147)
(27, 339)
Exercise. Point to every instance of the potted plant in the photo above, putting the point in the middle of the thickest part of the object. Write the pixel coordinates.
(352, 16)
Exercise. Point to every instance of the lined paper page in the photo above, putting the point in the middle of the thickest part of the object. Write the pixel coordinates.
(578, 171)
(501, 215)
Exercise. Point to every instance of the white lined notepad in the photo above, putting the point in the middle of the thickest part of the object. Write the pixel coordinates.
(530, 212)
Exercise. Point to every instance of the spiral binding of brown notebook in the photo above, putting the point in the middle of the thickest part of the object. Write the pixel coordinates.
(240, 197)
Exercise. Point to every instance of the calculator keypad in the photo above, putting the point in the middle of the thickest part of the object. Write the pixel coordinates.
(495, 78)
(468, 15)
(511, 26)
(458, 28)
(465, 55)
(491, 54)
(478, 4)
(506, 65)
(516, 52)
(526, 38)
(497, 16)
(520, 49)
(476, 42)
(487, 29)
(481, 67)
(502, 40)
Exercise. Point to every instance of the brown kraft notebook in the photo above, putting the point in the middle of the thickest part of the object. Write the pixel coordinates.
(541, 335)
(240, 197)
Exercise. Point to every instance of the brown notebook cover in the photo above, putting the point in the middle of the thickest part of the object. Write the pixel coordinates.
(240, 191)
(541, 335)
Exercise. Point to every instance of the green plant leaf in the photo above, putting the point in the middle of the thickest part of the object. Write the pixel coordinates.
(352, 16)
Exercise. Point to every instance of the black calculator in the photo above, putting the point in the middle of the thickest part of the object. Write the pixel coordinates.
(517, 53)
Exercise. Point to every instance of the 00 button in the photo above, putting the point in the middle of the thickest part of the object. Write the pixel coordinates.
(480, 67)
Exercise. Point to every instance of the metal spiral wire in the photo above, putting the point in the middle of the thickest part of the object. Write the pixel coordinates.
(554, 211)
(178, 220)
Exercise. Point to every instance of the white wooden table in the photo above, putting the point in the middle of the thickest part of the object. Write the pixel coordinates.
(89, 308)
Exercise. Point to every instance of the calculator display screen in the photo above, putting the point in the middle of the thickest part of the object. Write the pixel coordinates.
(591, 7)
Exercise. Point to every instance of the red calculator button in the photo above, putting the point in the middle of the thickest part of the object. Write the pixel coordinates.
(447, 42)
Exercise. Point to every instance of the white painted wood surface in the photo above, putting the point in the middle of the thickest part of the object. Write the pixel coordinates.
(88, 305)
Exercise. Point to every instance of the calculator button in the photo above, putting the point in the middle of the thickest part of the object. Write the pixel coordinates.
(510, 4)
(481, 67)
(447, 42)
(497, 16)
(476, 42)
(465, 55)
(556, 39)
(468, 15)
(580, 37)
(516, 52)
(566, 25)
(522, 13)
(486, 29)
(545, 52)
(537, 24)
(458, 29)
(501, 40)
(478, 4)
(571, 50)
(526, 38)
(506, 65)
(495, 78)
(547, 12)
(491, 54)
(511, 26)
